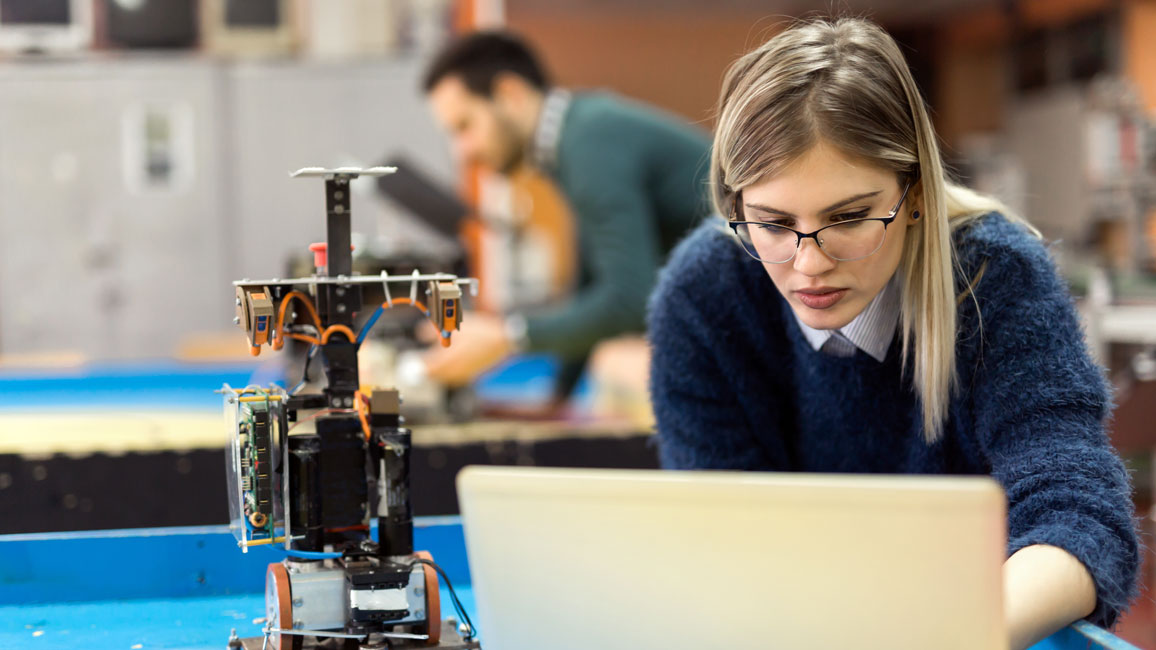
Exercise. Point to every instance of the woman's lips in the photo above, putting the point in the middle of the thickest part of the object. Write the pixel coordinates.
(821, 298)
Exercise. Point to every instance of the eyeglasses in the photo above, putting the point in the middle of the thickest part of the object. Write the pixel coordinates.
(845, 241)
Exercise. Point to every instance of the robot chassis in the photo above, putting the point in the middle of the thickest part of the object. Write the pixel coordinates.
(315, 493)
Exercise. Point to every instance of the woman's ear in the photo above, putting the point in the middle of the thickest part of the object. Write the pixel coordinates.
(915, 212)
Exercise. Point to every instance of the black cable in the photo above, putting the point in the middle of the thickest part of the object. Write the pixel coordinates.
(305, 370)
(461, 610)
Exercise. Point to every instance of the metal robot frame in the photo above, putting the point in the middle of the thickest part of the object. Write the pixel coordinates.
(317, 493)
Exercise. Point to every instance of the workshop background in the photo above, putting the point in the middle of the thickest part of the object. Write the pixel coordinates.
(144, 151)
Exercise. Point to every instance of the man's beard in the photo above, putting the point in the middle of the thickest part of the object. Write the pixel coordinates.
(514, 153)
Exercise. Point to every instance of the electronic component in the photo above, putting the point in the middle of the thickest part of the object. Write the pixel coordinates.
(447, 303)
(255, 420)
(255, 311)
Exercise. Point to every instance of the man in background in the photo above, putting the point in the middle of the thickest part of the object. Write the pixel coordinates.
(635, 179)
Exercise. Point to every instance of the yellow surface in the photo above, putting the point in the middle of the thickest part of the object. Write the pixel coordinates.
(82, 433)
(104, 432)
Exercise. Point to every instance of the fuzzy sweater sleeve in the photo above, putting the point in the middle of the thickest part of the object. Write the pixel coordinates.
(1040, 403)
(702, 421)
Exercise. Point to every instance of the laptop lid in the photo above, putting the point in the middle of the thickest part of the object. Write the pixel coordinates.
(569, 559)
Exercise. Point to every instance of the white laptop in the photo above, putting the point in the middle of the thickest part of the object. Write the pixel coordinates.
(565, 559)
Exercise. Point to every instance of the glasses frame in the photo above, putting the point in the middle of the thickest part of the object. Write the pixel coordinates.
(800, 236)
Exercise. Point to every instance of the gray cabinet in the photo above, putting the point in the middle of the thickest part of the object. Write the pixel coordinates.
(132, 191)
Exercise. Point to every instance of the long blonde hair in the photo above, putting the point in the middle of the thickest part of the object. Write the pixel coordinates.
(845, 82)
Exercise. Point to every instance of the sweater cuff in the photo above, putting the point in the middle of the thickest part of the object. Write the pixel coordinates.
(1100, 551)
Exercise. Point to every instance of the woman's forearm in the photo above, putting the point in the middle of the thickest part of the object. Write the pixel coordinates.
(1045, 588)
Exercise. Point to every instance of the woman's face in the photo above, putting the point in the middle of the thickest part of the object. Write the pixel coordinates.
(821, 188)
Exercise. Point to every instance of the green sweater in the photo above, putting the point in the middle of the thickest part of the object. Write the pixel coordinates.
(636, 181)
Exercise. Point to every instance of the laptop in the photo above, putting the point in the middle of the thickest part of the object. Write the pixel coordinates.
(571, 559)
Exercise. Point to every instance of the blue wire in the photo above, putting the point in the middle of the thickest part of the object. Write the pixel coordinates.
(312, 555)
(369, 324)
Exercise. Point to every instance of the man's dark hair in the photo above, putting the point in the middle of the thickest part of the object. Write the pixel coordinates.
(478, 58)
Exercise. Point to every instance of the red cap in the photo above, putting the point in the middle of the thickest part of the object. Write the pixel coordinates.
(321, 253)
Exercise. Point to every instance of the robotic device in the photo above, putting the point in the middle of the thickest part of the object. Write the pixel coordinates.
(309, 472)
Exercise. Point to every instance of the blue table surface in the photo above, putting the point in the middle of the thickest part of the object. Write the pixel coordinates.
(185, 587)
(169, 384)
(188, 587)
(174, 623)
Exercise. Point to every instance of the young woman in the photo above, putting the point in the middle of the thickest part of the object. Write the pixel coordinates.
(859, 312)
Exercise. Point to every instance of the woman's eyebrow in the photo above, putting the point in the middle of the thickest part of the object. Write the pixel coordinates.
(830, 208)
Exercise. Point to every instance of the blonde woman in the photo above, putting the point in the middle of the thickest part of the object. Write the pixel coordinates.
(859, 312)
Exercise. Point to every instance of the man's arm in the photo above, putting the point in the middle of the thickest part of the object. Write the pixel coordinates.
(620, 251)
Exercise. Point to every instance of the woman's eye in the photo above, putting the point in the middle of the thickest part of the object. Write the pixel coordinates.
(847, 216)
(785, 223)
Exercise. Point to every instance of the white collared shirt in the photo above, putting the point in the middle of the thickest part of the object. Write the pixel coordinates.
(871, 331)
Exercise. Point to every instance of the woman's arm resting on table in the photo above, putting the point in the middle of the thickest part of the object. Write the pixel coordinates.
(1045, 588)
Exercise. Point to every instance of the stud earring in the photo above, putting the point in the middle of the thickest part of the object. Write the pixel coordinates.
(915, 215)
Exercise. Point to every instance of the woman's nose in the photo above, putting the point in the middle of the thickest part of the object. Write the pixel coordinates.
(811, 260)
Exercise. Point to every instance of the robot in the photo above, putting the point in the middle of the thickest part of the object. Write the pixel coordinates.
(314, 472)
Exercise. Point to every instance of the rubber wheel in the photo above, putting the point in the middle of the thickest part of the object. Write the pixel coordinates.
(279, 607)
(433, 601)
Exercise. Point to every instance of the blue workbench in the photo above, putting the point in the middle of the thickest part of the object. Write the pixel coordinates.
(187, 587)
(157, 587)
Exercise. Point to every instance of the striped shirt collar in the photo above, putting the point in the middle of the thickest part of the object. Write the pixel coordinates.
(871, 331)
(548, 133)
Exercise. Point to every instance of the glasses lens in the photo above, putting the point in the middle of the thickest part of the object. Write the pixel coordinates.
(766, 242)
(852, 240)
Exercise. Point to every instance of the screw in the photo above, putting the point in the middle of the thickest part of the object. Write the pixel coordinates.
(348, 401)
(339, 194)
(340, 291)
(340, 308)
(297, 602)
(238, 302)
(339, 209)
(298, 625)
(418, 591)
(236, 320)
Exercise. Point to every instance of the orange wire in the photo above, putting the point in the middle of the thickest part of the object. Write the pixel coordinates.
(303, 337)
(406, 301)
(338, 328)
(344, 529)
(279, 333)
(445, 340)
(359, 398)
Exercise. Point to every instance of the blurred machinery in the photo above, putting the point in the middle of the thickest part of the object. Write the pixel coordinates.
(315, 473)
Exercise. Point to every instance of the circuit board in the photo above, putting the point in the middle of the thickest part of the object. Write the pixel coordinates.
(254, 418)
(255, 433)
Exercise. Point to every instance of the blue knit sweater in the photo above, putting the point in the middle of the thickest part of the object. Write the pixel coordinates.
(736, 386)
